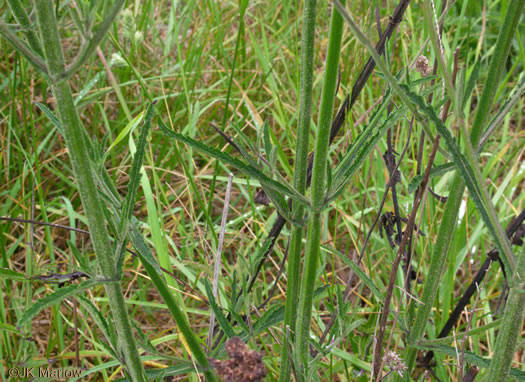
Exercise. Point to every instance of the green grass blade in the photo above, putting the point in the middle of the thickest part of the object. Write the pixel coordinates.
(183, 325)
(471, 333)
(135, 174)
(125, 131)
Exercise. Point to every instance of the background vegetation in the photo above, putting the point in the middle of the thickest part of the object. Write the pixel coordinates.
(235, 66)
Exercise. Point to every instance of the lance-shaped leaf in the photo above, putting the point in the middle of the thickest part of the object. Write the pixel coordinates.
(140, 245)
(360, 149)
(9, 274)
(54, 298)
(436, 171)
(221, 318)
(153, 269)
(181, 367)
(504, 109)
(49, 114)
(270, 318)
(228, 159)
(471, 83)
(56, 122)
(276, 198)
(102, 324)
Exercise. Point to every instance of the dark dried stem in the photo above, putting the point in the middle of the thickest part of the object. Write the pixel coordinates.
(376, 366)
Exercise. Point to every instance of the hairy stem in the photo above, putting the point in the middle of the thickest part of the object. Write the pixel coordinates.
(318, 191)
(448, 224)
(509, 332)
(78, 151)
(300, 177)
(21, 17)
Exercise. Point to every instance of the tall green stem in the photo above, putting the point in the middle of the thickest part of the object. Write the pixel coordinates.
(300, 178)
(86, 182)
(318, 192)
(509, 332)
(448, 224)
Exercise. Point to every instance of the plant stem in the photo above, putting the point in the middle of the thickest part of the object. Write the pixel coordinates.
(22, 47)
(21, 17)
(510, 328)
(318, 191)
(338, 121)
(300, 178)
(93, 207)
(449, 222)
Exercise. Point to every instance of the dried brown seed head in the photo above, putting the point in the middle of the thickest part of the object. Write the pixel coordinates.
(422, 66)
(244, 364)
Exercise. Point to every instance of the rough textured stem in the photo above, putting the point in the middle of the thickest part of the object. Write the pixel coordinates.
(22, 47)
(508, 29)
(449, 222)
(86, 183)
(18, 11)
(318, 191)
(300, 177)
(510, 327)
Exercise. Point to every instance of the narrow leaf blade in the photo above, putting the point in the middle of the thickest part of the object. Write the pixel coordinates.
(221, 318)
(226, 158)
(54, 298)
